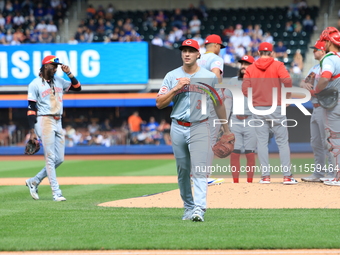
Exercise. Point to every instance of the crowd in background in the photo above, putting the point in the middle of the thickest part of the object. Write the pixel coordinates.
(133, 131)
(101, 25)
(31, 21)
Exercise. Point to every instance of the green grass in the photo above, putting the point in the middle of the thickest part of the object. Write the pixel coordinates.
(79, 223)
(162, 167)
(92, 168)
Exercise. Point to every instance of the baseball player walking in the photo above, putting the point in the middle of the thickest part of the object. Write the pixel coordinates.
(211, 61)
(45, 108)
(245, 136)
(317, 126)
(262, 76)
(330, 78)
(190, 127)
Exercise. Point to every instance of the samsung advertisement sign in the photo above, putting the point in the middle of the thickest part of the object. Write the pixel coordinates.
(91, 63)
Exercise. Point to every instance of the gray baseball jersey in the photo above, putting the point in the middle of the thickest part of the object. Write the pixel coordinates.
(209, 61)
(48, 127)
(48, 103)
(317, 127)
(331, 65)
(245, 136)
(191, 143)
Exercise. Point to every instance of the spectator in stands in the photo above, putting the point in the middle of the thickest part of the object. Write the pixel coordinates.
(157, 41)
(236, 40)
(11, 132)
(152, 126)
(249, 30)
(80, 31)
(280, 51)
(293, 10)
(238, 30)
(194, 25)
(289, 26)
(297, 68)
(258, 32)
(228, 54)
(93, 127)
(164, 126)
(177, 18)
(203, 8)
(106, 125)
(308, 24)
(45, 36)
(100, 12)
(227, 33)
(52, 29)
(41, 25)
(49, 14)
(160, 18)
(18, 19)
(178, 33)
(39, 11)
(19, 36)
(2, 38)
(90, 11)
(2, 5)
(134, 122)
(2, 22)
(240, 51)
(72, 41)
(297, 27)
(77, 137)
(88, 35)
(107, 139)
(198, 38)
(268, 38)
(69, 133)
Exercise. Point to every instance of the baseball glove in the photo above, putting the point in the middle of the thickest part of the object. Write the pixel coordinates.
(225, 146)
(328, 98)
(32, 147)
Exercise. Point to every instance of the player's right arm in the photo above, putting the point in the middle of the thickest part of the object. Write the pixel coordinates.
(32, 110)
(165, 95)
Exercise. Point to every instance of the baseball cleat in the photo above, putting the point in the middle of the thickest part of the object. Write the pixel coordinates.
(289, 180)
(326, 179)
(197, 215)
(333, 182)
(215, 181)
(311, 178)
(33, 187)
(58, 198)
(187, 214)
(265, 180)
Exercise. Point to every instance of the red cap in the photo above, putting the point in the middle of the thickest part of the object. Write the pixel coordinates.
(214, 39)
(319, 45)
(51, 60)
(265, 46)
(247, 58)
(190, 43)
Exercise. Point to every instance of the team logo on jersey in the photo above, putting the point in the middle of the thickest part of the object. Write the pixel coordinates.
(163, 90)
(218, 63)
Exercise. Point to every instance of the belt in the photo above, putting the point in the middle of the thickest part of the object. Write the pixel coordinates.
(242, 117)
(188, 124)
(316, 105)
(56, 117)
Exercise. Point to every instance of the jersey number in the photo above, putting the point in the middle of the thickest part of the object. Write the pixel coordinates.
(198, 106)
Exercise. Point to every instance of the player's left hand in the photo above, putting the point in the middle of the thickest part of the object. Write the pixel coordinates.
(65, 68)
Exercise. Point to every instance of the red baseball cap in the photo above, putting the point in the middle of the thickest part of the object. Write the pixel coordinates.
(319, 45)
(265, 46)
(190, 43)
(247, 58)
(51, 60)
(214, 39)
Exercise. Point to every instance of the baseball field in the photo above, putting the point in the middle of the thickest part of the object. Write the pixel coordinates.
(132, 203)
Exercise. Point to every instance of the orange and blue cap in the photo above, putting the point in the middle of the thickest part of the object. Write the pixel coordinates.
(51, 60)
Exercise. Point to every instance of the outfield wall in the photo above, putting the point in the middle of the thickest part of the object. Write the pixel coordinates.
(137, 149)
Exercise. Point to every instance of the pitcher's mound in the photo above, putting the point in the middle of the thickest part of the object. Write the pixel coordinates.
(246, 195)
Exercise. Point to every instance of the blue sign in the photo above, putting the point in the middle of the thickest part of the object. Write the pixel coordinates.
(91, 63)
